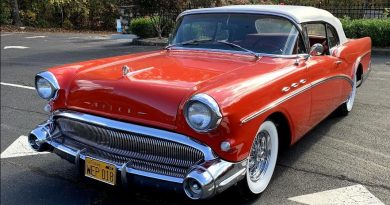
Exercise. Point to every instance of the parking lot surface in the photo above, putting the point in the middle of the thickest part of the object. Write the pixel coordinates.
(340, 157)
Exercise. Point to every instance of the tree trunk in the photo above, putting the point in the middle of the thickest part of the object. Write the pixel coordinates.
(15, 13)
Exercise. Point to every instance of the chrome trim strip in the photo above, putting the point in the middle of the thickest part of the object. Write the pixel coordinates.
(124, 126)
(154, 175)
(291, 95)
(243, 11)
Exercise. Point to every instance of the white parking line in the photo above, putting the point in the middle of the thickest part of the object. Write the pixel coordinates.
(19, 148)
(17, 86)
(6, 34)
(15, 47)
(357, 195)
(32, 37)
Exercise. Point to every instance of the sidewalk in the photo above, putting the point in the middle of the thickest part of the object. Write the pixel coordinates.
(381, 51)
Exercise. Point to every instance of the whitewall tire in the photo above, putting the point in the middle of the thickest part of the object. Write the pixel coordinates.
(262, 159)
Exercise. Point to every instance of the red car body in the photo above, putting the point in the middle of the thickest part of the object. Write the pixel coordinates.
(152, 89)
(161, 82)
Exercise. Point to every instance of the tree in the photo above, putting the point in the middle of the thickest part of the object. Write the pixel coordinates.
(160, 12)
(15, 13)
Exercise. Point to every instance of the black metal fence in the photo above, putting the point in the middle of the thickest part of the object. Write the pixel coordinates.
(353, 11)
(357, 11)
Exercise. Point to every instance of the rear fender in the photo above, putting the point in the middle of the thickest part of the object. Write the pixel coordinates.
(356, 52)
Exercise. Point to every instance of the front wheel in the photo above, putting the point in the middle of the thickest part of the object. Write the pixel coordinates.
(261, 161)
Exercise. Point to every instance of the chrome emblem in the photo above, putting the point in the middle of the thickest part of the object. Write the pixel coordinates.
(125, 70)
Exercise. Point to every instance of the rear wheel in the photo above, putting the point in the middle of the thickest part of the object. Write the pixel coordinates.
(347, 106)
(261, 161)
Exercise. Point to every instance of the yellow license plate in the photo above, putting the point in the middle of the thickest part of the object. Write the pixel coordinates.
(100, 171)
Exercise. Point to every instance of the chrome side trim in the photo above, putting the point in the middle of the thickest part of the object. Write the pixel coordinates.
(124, 126)
(291, 95)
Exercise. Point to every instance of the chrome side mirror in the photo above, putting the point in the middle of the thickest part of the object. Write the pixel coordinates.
(317, 49)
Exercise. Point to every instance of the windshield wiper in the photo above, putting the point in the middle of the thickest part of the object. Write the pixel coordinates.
(190, 42)
(240, 47)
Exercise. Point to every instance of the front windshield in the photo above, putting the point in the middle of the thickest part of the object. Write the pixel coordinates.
(237, 32)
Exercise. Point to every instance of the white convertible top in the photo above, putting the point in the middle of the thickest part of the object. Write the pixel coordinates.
(299, 14)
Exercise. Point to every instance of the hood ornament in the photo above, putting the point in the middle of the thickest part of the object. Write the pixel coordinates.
(125, 70)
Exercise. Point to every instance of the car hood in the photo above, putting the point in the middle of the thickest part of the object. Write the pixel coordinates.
(153, 89)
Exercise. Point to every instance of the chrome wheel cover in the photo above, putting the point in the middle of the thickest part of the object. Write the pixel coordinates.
(260, 156)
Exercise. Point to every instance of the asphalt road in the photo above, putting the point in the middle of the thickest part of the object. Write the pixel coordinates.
(339, 152)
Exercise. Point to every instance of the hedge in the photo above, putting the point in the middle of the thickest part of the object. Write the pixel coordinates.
(142, 27)
(377, 29)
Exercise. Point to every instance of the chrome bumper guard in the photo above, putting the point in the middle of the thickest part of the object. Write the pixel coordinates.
(203, 180)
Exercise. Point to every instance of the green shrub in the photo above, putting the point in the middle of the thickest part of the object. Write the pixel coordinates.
(5, 14)
(28, 17)
(142, 27)
(42, 23)
(67, 24)
(377, 29)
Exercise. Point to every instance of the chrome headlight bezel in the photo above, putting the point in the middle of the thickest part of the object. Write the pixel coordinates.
(51, 79)
(211, 105)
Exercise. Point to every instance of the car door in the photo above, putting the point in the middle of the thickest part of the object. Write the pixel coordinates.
(322, 74)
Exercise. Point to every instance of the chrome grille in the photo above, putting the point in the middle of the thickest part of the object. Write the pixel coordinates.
(143, 152)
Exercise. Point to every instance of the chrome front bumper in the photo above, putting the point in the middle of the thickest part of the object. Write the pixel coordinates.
(202, 180)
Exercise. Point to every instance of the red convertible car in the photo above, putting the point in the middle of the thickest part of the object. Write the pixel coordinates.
(234, 86)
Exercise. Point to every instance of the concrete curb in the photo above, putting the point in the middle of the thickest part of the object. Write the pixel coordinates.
(381, 51)
(124, 36)
(142, 42)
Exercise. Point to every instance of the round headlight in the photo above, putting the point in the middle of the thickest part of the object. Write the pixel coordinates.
(202, 113)
(199, 115)
(46, 85)
(44, 88)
